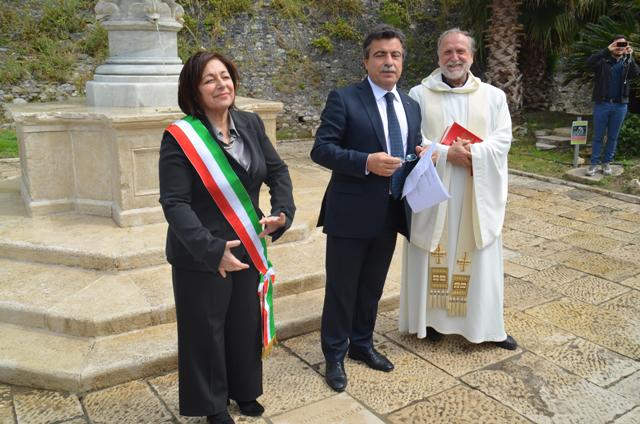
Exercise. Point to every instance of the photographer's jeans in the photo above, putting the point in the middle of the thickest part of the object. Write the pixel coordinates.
(606, 117)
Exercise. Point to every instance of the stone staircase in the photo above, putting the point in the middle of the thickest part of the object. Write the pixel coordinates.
(86, 304)
(553, 139)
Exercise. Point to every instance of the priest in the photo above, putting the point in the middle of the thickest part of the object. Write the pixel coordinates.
(452, 274)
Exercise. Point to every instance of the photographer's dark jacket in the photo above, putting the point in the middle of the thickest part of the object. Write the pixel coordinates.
(601, 62)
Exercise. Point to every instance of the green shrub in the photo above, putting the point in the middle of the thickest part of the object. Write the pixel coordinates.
(96, 42)
(11, 71)
(323, 43)
(341, 30)
(339, 7)
(51, 61)
(290, 9)
(629, 138)
(394, 13)
(61, 18)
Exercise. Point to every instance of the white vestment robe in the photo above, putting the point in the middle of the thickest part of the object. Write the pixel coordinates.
(483, 110)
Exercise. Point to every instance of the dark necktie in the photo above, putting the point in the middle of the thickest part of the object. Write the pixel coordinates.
(395, 145)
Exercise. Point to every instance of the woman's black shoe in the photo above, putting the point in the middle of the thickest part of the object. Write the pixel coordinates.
(222, 417)
(251, 408)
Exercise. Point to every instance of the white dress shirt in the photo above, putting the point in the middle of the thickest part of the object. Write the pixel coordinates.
(381, 101)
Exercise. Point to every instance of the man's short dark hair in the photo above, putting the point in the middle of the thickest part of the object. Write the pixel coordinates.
(384, 32)
(191, 75)
(617, 37)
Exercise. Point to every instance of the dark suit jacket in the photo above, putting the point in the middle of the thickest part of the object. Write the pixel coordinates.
(355, 204)
(198, 231)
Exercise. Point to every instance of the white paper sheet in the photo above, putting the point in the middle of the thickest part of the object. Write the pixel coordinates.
(423, 187)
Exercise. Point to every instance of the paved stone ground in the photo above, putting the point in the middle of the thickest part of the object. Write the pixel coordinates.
(572, 300)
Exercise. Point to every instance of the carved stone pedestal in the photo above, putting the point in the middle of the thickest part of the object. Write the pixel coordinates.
(100, 161)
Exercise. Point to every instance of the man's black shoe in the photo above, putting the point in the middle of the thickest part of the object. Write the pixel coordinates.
(220, 418)
(509, 343)
(372, 358)
(335, 376)
(433, 335)
(251, 408)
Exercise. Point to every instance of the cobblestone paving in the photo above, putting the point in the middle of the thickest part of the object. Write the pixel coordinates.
(572, 301)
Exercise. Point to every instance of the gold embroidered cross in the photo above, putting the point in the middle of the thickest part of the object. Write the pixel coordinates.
(439, 253)
(464, 262)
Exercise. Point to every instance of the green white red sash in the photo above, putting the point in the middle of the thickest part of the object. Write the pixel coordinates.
(232, 199)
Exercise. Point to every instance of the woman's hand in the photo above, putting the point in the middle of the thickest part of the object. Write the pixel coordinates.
(272, 223)
(229, 262)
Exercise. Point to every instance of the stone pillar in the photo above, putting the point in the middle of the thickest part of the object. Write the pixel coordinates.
(143, 65)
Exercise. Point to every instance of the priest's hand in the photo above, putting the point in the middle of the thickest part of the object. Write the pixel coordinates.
(383, 164)
(272, 223)
(459, 153)
(420, 151)
(229, 262)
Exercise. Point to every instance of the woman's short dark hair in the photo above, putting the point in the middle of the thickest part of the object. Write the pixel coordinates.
(386, 32)
(191, 75)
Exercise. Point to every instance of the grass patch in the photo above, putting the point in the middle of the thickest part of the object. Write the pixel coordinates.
(526, 157)
(292, 134)
(8, 144)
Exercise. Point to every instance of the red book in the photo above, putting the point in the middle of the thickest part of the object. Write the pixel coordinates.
(456, 130)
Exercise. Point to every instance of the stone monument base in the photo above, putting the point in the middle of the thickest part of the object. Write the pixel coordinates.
(100, 160)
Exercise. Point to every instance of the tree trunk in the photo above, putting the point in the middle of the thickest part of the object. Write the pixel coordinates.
(536, 78)
(503, 39)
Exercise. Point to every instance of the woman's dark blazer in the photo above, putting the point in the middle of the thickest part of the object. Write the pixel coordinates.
(198, 231)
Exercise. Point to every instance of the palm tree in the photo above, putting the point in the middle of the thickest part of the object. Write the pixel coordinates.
(551, 27)
(502, 41)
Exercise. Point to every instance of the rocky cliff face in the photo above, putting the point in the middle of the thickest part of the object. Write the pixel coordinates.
(287, 50)
(296, 58)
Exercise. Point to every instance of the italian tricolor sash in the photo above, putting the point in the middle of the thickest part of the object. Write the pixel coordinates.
(232, 198)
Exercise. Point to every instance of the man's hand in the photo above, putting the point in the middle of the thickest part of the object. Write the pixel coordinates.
(272, 223)
(382, 164)
(420, 151)
(629, 51)
(230, 263)
(459, 153)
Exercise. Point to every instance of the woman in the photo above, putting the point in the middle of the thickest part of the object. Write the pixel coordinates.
(215, 279)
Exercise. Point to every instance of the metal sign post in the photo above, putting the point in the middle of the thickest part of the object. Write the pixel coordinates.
(578, 136)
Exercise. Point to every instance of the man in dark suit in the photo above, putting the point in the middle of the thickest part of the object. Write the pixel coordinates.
(365, 133)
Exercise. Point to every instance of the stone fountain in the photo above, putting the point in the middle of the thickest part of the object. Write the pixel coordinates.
(86, 296)
(100, 157)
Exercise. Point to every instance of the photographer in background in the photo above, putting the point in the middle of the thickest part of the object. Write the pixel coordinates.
(613, 68)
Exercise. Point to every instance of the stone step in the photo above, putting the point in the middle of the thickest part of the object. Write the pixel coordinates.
(93, 242)
(90, 303)
(562, 131)
(106, 247)
(545, 146)
(44, 359)
(556, 140)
